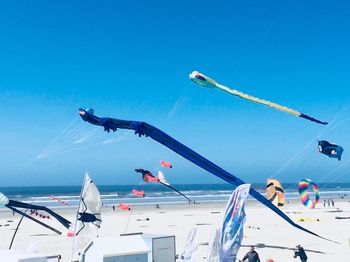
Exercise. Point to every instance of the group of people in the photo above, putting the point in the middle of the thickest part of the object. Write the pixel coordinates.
(253, 256)
(328, 202)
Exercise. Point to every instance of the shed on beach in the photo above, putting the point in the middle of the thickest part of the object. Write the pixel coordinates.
(116, 249)
(21, 256)
(162, 248)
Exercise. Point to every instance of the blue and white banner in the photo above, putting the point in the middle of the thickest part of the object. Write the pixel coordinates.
(232, 228)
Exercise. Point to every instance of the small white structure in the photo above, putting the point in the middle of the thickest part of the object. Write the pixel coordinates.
(162, 248)
(21, 256)
(116, 249)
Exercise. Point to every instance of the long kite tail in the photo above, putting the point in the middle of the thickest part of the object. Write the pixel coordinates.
(66, 223)
(142, 128)
(33, 219)
(207, 165)
(205, 81)
(173, 188)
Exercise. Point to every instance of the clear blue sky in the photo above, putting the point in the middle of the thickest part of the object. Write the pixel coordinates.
(131, 60)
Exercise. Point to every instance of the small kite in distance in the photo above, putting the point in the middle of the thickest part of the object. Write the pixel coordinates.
(59, 200)
(138, 193)
(166, 164)
(125, 207)
(147, 176)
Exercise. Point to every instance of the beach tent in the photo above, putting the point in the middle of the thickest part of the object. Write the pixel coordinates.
(121, 248)
(21, 256)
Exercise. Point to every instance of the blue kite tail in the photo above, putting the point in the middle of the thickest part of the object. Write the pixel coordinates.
(313, 119)
(143, 128)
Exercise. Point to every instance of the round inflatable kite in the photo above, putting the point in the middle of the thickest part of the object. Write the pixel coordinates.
(275, 192)
(304, 195)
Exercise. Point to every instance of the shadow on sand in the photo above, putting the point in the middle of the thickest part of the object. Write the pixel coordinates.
(261, 245)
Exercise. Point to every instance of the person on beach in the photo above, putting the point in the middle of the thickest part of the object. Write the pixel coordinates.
(300, 253)
(332, 201)
(252, 256)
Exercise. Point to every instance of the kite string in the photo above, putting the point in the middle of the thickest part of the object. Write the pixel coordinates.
(19, 223)
(127, 222)
(323, 132)
(61, 141)
(67, 131)
(332, 172)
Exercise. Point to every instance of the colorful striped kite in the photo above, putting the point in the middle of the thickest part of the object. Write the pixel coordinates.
(304, 195)
(205, 81)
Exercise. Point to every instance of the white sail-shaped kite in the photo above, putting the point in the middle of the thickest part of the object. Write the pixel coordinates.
(88, 216)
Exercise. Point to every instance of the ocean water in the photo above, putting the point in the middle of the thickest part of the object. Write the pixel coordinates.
(115, 194)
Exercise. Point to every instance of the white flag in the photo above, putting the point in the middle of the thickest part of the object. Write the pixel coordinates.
(214, 247)
(191, 246)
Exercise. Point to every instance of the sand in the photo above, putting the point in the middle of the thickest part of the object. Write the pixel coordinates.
(272, 237)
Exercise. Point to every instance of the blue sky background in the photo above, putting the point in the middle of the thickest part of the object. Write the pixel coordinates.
(131, 60)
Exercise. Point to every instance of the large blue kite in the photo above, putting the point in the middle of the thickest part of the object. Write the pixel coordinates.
(142, 128)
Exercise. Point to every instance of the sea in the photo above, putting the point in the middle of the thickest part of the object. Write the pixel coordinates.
(68, 196)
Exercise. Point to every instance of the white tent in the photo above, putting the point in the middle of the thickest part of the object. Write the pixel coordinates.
(130, 248)
(21, 256)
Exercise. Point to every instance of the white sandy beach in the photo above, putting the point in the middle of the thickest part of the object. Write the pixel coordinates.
(274, 239)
